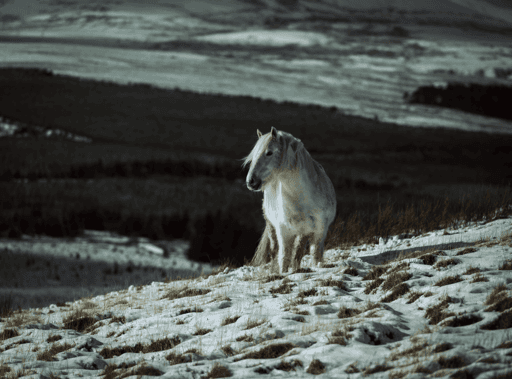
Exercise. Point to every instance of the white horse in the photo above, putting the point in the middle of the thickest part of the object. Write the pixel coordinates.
(298, 199)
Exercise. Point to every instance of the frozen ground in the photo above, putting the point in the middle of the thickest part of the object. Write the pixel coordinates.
(349, 54)
(328, 321)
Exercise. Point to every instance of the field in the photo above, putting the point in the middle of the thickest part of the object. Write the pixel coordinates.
(153, 169)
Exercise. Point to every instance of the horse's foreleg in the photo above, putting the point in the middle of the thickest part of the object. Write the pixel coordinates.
(286, 242)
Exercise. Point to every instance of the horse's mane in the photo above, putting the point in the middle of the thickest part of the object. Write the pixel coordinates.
(266, 140)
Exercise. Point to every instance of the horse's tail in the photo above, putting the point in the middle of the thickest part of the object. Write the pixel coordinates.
(263, 253)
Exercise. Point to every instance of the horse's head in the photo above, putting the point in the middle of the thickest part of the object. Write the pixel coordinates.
(270, 153)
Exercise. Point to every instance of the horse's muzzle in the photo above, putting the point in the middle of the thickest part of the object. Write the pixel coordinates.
(254, 184)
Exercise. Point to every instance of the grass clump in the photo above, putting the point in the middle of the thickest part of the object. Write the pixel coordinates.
(229, 320)
(158, 345)
(498, 294)
(479, 278)
(396, 293)
(351, 271)
(375, 272)
(463, 320)
(340, 336)
(284, 288)
(177, 293)
(288, 366)
(445, 263)
(394, 279)
(436, 314)
(245, 338)
(8, 333)
(448, 280)
(467, 251)
(201, 332)
(377, 368)
(371, 287)
(307, 293)
(49, 355)
(53, 338)
(219, 371)
(472, 270)
(332, 283)
(316, 367)
(6, 305)
(345, 312)
(507, 265)
(190, 310)
(269, 352)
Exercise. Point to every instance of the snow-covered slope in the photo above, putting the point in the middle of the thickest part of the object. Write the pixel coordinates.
(444, 309)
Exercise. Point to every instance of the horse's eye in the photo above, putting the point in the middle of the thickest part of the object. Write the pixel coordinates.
(269, 153)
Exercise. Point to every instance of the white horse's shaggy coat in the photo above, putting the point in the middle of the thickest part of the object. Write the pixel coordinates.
(298, 199)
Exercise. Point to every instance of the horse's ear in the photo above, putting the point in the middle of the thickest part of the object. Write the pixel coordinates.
(259, 133)
(274, 133)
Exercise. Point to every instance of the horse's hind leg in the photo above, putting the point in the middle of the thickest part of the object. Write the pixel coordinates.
(265, 251)
(300, 251)
(316, 248)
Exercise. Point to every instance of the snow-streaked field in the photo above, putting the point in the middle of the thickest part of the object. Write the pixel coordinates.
(347, 54)
(245, 323)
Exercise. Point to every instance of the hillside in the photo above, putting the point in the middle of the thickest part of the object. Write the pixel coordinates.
(440, 307)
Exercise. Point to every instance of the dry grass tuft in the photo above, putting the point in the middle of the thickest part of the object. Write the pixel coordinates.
(397, 292)
(176, 359)
(254, 323)
(351, 271)
(53, 338)
(158, 345)
(467, 251)
(226, 349)
(463, 320)
(505, 345)
(506, 265)
(395, 279)
(177, 293)
(345, 312)
(472, 270)
(245, 338)
(219, 371)
(497, 294)
(445, 263)
(269, 352)
(435, 313)
(288, 366)
(479, 278)
(190, 310)
(371, 287)
(375, 272)
(284, 288)
(201, 332)
(49, 355)
(448, 280)
(79, 320)
(8, 333)
(378, 368)
(452, 362)
(332, 283)
(307, 293)
(503, 321)
(413, 296)
(316, 367)
(6, 305)
(340, 336)
(352, 368)
(229, 320)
